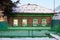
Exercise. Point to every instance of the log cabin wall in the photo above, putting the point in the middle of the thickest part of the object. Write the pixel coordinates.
(39, 20)
(10, 21)
(29, 20)
(20, 21)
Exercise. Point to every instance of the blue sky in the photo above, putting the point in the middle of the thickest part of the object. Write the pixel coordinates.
(45, 3)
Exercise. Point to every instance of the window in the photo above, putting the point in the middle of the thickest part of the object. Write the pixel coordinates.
(24, 22)
(35, 22)
(44, 22)
(15, 22)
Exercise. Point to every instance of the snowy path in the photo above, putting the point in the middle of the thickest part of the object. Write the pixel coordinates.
(55, 36)
(46, 38)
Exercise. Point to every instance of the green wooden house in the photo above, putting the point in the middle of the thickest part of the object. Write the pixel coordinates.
(27, 21)
(31, 15)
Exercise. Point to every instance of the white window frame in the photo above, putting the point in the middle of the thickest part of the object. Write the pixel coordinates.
(44, 22)
(24, 22)
(15, 22)
(35, 22)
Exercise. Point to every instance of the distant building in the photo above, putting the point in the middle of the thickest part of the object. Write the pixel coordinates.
(31, 15)
(1, 16)
(57, 15)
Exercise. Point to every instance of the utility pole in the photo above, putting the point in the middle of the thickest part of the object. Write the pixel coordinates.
(54, 5)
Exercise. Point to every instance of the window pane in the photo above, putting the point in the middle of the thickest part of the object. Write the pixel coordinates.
(15, 22)
(44, 22)
(24, 22)
(35, 22)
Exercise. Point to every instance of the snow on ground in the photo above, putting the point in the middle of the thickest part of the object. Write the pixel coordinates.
(55, 36)
(45, 38)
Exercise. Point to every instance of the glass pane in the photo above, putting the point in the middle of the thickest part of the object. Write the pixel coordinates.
(24, 22)
(15, 22)
(35, 22)
(44, 22)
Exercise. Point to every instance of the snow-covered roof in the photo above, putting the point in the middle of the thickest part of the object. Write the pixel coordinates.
(31, 8)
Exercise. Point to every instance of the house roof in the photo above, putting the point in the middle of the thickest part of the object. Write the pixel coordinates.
(31, 8)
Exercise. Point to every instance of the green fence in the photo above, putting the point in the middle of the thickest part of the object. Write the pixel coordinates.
(56, 25)
(6, 31)
(3, 25)
(24, 33)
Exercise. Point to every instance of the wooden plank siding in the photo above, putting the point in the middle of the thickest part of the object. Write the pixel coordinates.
(29, 20)
(11, 21)
(20, 21)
